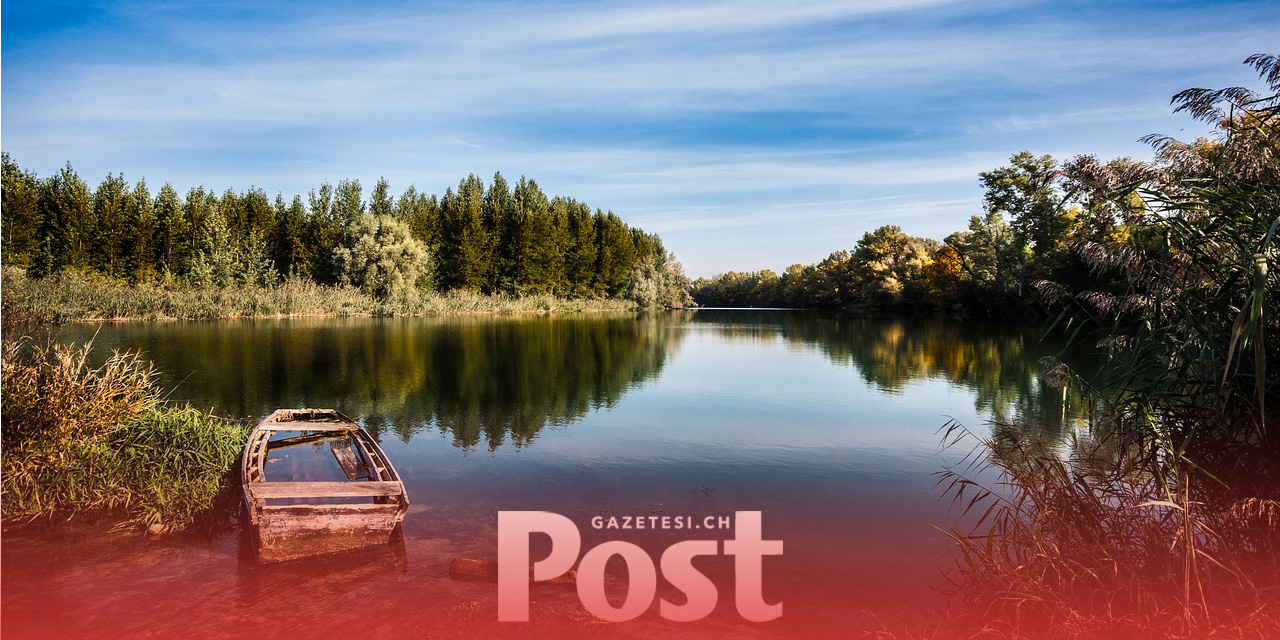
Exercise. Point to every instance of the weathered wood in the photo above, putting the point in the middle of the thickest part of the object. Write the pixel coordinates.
(351, 466)
(367, 508)
(285, 531)
(308, 426)
(324, 489)
(279, 523)
(487, 571)
(279, 547)
(309, 438)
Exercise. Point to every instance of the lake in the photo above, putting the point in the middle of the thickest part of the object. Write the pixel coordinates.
(827, 424)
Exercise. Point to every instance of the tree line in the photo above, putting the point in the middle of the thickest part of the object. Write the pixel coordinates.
(1036, 212)
(495, 239)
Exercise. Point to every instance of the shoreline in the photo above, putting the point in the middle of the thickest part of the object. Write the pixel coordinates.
(71, 297)
(289, 316)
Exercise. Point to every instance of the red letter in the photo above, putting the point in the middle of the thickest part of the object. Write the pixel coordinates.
(643, 583)
(677, 568)
(748, 551)
(514, 528)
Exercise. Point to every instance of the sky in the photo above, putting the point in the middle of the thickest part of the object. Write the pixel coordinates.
(749, 135)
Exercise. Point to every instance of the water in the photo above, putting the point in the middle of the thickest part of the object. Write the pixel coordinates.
(827, 424)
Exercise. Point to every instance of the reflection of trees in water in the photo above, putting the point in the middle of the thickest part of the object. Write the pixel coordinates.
(998, 363)
(479, 378)
(490, 379)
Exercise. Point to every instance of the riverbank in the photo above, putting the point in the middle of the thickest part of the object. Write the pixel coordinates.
(82, 439)
(73, 297)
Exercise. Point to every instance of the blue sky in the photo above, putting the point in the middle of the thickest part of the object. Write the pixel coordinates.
(748, 134)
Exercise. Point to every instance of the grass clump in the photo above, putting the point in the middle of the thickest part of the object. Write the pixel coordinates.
(77, 437)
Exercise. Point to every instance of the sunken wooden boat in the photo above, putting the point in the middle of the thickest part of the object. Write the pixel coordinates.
(315, 483)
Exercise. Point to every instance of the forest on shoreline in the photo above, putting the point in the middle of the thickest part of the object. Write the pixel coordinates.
(494, 240)
(1040, 218)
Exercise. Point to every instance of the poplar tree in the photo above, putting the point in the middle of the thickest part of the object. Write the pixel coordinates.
(107, 237)
(615, 254)
(66, 222)
(533, 250)
(501, 218)
(138, 235)
(171, 242)
(21, 195)
(421, 212)
(196, 209)
(347, 207)
(580, 249)
(380, 202)
(290, 251)
(465, 239)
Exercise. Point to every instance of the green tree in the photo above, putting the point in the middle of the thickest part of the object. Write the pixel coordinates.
(540, 250)
(197, 207)
(292, 252)
(615, 254)
(347, 208)
(214, 262)
(579, 249)
(21, 213)
(105, 244)
(1041, 227)
(324, 233)
(888, 267)
(138, 236)
(422, 213)
(505, 224)
(380, 201)
(67, 223)
(465, 247)
(171, 248)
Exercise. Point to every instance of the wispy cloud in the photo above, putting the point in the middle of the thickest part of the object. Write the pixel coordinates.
(724, 126)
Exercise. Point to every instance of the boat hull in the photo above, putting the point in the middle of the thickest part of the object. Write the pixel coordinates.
(292, 518)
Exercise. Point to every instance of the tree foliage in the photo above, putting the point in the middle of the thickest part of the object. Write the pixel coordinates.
(384, 260)
(494, 239)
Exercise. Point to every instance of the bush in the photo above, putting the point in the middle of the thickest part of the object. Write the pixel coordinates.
(385, 261)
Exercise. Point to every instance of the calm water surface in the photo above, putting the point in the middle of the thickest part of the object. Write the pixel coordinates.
(827, 424)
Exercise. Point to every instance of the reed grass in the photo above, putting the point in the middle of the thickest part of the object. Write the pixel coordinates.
(1094, 540)
(79, 438)
(70, 296)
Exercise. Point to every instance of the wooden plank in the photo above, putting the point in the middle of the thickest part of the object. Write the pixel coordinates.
(330, 509)
(350, 465)
(274, 524)
(261, 463)
(309, 438)
(324, 489)
(307, 426)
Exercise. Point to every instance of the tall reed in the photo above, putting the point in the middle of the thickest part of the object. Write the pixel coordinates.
(1091, 540)
(69, 296)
